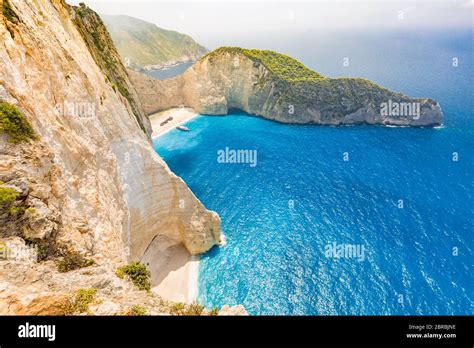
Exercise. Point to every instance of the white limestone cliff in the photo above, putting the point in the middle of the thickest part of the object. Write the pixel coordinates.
(92, 175)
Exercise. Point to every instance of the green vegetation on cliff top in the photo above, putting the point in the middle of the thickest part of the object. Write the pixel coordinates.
(282, 66)
(299, 85)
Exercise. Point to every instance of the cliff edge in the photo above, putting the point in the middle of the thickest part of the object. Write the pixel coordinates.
(86, 176)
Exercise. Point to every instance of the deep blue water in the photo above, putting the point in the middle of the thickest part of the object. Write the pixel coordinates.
(279, 216)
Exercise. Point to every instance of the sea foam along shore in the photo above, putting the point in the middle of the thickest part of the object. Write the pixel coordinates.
(164, 121)
(178, 275)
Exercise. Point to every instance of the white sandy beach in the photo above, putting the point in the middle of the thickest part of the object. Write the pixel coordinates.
(175, 272)
(176, 277)
(178, 115)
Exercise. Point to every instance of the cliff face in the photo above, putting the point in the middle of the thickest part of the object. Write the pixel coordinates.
(105, 55)
(277, 87)
(91, 178)
(145, 46)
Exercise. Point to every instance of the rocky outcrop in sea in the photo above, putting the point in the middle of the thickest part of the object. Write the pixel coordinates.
(277, 87)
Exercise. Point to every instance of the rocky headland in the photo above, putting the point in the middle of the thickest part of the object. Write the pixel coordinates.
(280, 88)
(144, 46)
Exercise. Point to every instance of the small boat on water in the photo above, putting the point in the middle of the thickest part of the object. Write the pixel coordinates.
(183, 128)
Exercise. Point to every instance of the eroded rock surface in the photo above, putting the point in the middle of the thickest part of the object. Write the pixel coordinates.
(91, 179)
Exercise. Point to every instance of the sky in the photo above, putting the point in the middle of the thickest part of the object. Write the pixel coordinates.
(215, 23)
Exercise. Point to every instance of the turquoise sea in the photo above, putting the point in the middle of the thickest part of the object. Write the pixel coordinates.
(400, 199)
